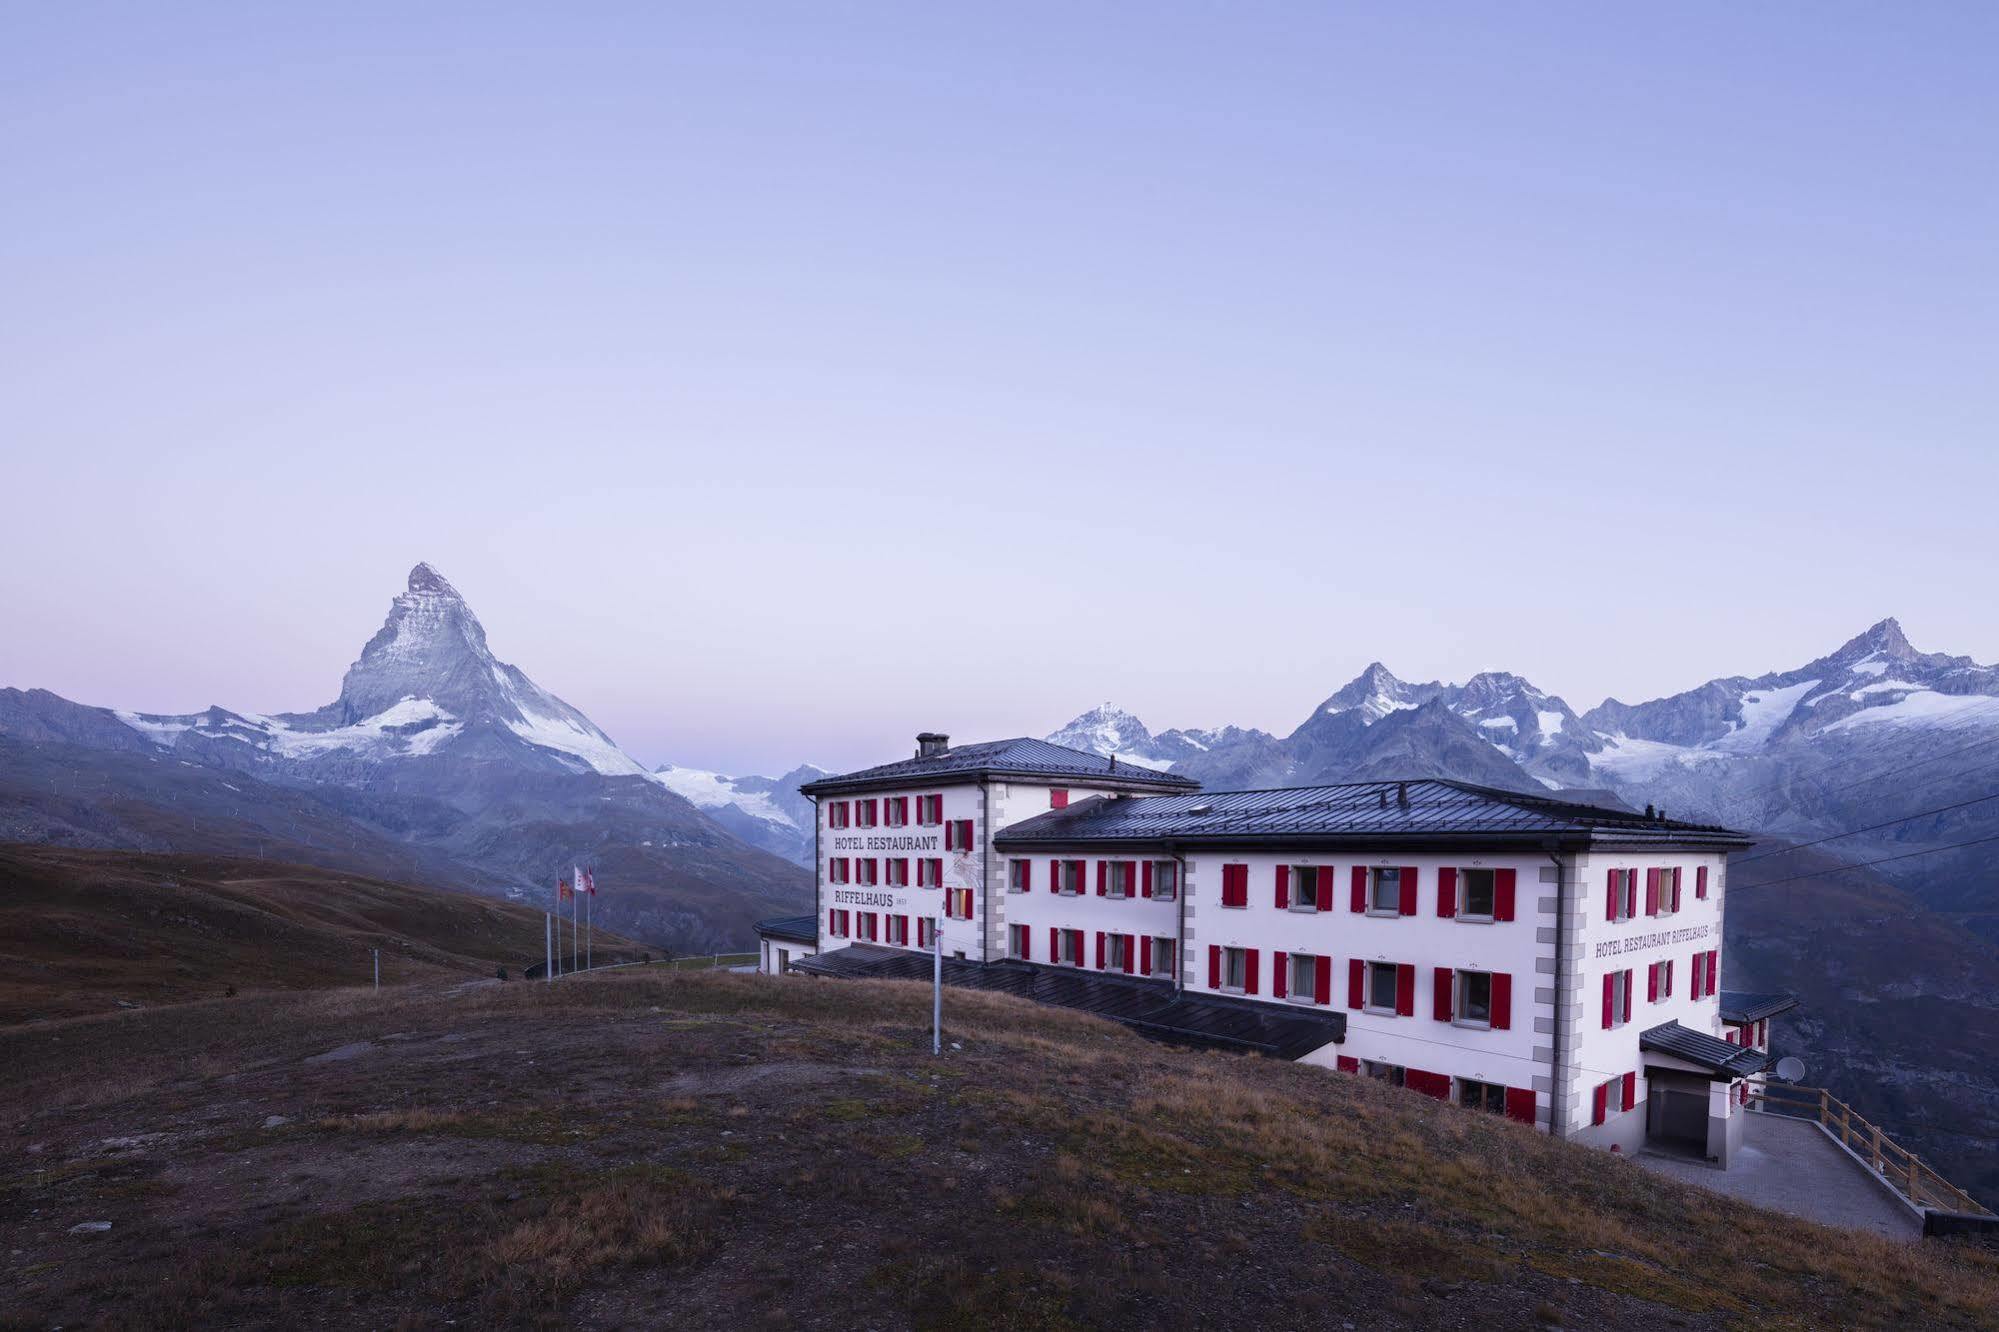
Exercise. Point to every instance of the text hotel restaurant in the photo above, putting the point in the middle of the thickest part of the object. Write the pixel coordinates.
(1556, 962)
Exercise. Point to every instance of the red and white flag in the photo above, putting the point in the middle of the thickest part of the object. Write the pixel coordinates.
(589, 883)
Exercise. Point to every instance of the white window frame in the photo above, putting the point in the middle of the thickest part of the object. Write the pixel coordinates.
(1459, 1086)
(926, 931)
(1163, 872)
(1461, 983)
(1308, 993)
(1621, 981)
(1235, 970)
(1069, 948)
(1300, 876)
(1118, 878)
(1464, 911)
(1381, 1071)
(1394, 973)
(1016, 870)
(1163, 960)
(1067, 889)
(1114, 958)
(871, 808)
(1377, 875)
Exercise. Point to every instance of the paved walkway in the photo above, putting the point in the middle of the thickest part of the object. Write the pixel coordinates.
(1788, 1165)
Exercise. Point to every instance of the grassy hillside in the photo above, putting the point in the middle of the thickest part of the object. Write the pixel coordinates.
(82, 930)
(646, 1147)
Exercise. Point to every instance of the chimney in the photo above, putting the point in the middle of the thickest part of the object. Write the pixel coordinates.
(1402, 794)
(929, 744)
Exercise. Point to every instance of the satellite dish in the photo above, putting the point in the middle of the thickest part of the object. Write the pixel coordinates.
(1790, 1068)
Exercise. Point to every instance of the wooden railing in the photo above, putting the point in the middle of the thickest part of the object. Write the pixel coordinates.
(1907, 1173)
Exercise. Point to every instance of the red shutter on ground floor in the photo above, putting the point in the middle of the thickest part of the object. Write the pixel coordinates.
(1408, 885)
(1100, 950)
(1145, 955)
(1436, 1085)
(1130, 955)
(1214, 966)
(1405, 990)
(1440, 994)
(1652, 891)
(1249, 958)
(1322, 980)
(1447, 892)
(1630, 1090)
(1283, 887)
(1520, 1104)
(1600, 1103)
(1356, 982)
(1359, 890)
(1280, 976)
(1502, 893)
(1054, 944)
(1026, 944)
(1502, 1001)
(1326, 887)
(1347, 1063)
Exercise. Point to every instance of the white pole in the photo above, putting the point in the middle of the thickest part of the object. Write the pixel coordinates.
(378, 966)
(936, 988)
(547, 947)
(589, 905)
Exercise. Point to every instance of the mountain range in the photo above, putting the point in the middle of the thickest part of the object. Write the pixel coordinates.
(437, 761)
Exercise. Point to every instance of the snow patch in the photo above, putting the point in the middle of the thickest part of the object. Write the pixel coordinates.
(1926, 707)
(713, 790)
(1763, 711)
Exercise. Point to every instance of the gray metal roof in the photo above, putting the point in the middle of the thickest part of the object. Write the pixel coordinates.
(1148, 1007)
(1019, 757)
(1429, 809)
(805, 929)
(1712, 1053)
(1745, 1006)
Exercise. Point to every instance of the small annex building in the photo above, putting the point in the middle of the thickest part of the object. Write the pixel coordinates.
(1558, 962)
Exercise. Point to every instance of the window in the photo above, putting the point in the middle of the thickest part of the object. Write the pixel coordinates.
(1235, 969)
(836, 814)
(1058, 798)
(1392, 1074)
(929, 873)
(1659, 982)
(1020, 875)
(1616, 1095)
(926, 931)
(1017, 937)
(1235, 885)
(898, 930)
(958, 903)
(898, 872)
(1120, 878)
(895, 811)
(1706, 974)
(1117, 953)
(1616, 999)
(1165, 879)
(864, 813)
(1475, 998)
(1304, 979)
(1623, 904)
(958, 835)
(1162, 957)
(838, 870)
(1487, 1096)
(1304, 888)
(1382, 985)
(1069, 947)
(1384, 891)
(866, 871)
(836, 923)
(870, 926)
(1477, 886)
(1069, 877)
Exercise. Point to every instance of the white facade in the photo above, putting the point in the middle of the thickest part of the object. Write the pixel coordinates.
(775, 954)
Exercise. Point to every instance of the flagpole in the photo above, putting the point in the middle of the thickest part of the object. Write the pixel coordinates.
(589, 908)
(547, 947)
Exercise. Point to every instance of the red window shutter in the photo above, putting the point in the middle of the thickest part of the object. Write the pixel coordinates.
(1611, 900)
(1435, 1085)
(1600, 1103)
(1502, 1001)
(1676, 886)
(1356, 982)
(1026, 943)
(1100, 950)
(1145, 955)
(1322, 980)
(1447, 893)
(1326, 878)
(1347, 1063)
(1652, 983)
(1408, 885)
(1214, 966)
(1405, 990)
(1700, 881)
(1054, 944)
(1627, 994)
(1283, 887)
(1360, 888)
(1145, 882)
(1280, 975)
(1130, 955)
(1130, 875)
(1652, 891)
(1249, 957)
(1502, 894)
(1520, 1104)
(1440, 994)
(1630, 1090)
(1609, 999)
(1102, 875)
(1713, 970)
(1058, 799)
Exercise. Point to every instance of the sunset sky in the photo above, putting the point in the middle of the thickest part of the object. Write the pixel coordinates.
(776, 382)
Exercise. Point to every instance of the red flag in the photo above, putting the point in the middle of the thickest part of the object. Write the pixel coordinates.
(562, 890)
(590, 882)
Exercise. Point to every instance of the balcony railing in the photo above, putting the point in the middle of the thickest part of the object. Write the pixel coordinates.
(1904, 1171)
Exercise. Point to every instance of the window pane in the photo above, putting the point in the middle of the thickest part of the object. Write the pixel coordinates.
(1475, 996)
(1380, 985)
(1478, 892)
(1387, 890)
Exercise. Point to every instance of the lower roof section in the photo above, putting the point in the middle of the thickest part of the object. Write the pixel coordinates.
(1741, 1006)
(1148, 1007)
(1716, 1057)
(801, 929)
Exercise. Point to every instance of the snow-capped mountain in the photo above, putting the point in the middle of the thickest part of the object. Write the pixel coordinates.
(763, 811)
(1108, 729)
(435, 743)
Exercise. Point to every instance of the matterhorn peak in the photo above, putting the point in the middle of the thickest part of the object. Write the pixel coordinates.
(424, 578)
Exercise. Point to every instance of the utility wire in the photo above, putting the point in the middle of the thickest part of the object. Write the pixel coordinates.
(1907, 855)
(1872, 827)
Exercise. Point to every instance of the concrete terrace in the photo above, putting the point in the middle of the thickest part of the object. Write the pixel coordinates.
(1791, 1165)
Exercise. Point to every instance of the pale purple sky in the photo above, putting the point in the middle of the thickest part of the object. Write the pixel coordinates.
(778, 381)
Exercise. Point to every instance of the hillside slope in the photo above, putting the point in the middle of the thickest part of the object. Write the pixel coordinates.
(639, 1149)
(81, 931)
